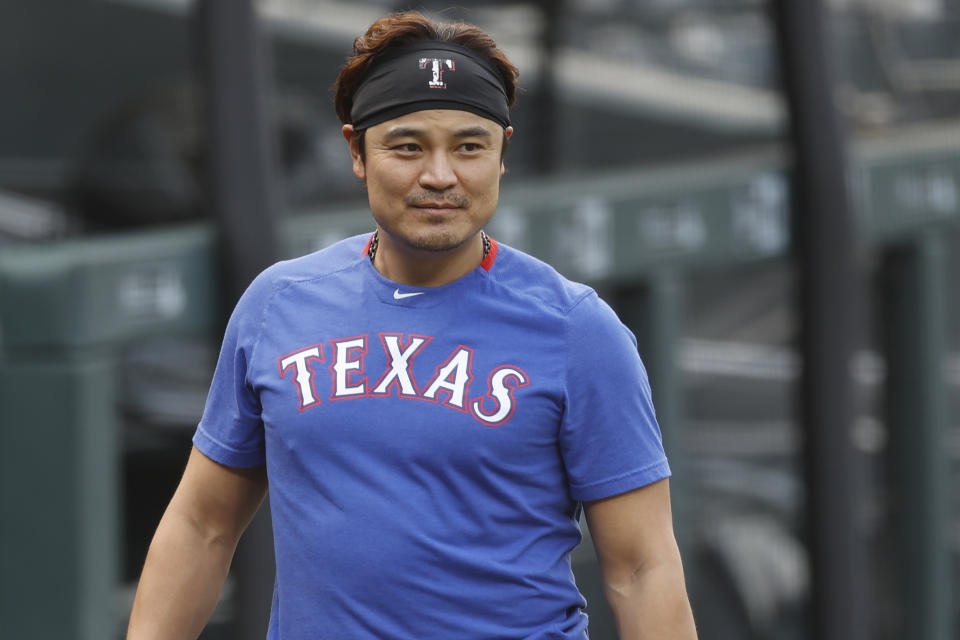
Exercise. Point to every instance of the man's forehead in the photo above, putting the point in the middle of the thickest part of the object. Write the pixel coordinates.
(437, 121)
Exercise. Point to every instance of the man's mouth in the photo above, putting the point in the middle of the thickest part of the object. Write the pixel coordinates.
(449, 202)
(436, 205)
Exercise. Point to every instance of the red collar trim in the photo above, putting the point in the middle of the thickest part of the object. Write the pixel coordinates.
(366, 247)
(490, 257)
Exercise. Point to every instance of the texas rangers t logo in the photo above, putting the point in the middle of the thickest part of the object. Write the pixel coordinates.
(437, 66)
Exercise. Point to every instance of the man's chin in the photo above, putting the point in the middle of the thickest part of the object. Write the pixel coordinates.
(436, 247)
(441, 243)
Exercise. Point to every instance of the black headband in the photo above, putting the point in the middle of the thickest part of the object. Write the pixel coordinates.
(429, 75)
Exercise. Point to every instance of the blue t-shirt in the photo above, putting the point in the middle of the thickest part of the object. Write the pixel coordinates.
(428, 449)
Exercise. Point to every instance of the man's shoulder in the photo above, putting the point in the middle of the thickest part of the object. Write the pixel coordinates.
(324, 262)
(530, 276)
(338, 257)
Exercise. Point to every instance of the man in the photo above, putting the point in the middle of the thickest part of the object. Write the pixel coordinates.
(431, 408)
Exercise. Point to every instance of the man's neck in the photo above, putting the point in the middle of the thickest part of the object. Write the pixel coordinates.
(419, 268)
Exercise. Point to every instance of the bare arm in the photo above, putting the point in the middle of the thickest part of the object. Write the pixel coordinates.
(191, 551)
(642, 572)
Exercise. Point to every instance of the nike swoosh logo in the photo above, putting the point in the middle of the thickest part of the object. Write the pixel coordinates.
(400, 296)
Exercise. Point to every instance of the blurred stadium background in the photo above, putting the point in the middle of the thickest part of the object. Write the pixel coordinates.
(653, 158)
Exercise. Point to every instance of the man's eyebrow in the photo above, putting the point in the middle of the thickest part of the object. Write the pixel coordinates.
(473, 132)
(402, 132)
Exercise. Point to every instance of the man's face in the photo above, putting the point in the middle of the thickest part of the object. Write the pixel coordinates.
(433, 177)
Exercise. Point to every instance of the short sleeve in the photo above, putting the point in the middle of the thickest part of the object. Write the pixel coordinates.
(231, 430)
(609, 436)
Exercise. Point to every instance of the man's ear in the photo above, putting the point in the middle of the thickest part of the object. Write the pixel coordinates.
(353, 139)
(507, 134)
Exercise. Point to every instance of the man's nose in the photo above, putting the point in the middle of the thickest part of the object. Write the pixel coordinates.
(438, 172)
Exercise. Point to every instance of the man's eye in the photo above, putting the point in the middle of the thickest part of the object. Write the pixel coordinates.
(409, 147)
(470, 146)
